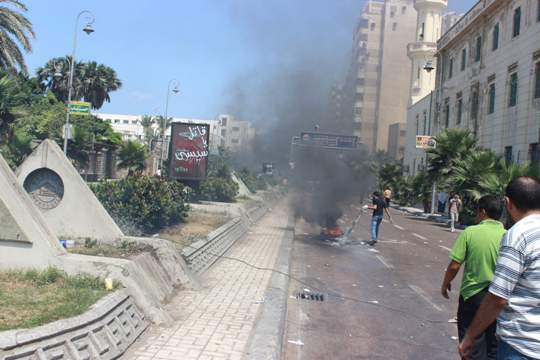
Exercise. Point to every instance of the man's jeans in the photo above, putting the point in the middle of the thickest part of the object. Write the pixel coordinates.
(375, 223)
(506, 352)
(485, 345)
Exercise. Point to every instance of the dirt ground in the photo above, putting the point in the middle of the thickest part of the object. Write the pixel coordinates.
(198, 225)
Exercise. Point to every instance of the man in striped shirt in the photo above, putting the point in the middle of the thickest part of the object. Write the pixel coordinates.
(514, 293)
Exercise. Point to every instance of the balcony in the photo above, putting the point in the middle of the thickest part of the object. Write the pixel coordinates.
(422, 48)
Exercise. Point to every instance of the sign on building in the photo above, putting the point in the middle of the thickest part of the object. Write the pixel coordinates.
(329, 140)
(425, 142)
(79, 107)
(189, 151)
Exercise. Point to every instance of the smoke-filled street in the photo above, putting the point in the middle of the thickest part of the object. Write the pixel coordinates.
(379, 302)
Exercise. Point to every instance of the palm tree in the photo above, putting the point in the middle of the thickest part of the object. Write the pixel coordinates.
(149, 132)
(469, 173)
(97, 82)
(15, 32)
(495, 183)
(452, 145)
(11, 98)
(132, 156)
(92, 82)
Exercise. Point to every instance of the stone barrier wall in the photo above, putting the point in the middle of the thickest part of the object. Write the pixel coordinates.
(104, 332)
(202, 254)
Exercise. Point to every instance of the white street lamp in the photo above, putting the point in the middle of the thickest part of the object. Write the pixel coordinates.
(176, 90)
(88, 30)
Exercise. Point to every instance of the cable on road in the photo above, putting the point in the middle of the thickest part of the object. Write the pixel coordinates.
(329, 290)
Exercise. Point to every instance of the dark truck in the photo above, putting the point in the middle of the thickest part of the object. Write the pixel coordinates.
(322, 177)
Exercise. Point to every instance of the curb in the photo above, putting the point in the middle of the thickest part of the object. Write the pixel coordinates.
(266, 337)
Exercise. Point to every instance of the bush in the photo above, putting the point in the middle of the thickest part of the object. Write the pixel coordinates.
(218, 189)
(143, 204)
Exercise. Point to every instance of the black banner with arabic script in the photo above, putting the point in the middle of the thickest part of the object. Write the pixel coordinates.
(189, 151)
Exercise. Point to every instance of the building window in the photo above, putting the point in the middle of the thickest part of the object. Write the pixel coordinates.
(537, 81)
(417, 124)
(235, 128)
(538, 10)
(447, 113)
(404, 9)
(491, 104)
(534, 156)
(517, 22)
(459, 110)
(512, 99)
(451, 68)
(508, 154)
(474, 105)
(495, 44)
(478, 54)
(235, 141)
(394, 26)
(224, 121)
(421, 35)
(223, 132)
(425, 123)
(126, 121)
(463, 59)
(372, 26)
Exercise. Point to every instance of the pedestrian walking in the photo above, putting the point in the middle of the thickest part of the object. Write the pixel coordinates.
(379, 207)
(454, 208)
(514, 293)
(442, 197)
(387, 195)
(477, 248)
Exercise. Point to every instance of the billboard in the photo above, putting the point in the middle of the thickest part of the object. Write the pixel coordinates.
(425, 142)
(189, 151)
(329, 140)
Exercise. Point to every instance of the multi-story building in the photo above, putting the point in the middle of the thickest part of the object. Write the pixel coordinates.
(236, 135)
(378, 78)
(489, 81)
(396, 140)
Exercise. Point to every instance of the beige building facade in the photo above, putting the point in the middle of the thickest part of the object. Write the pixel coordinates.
(236, 135)
(489, 81)
(378, 78)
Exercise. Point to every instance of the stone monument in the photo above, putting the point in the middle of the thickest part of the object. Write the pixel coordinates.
(68, 205)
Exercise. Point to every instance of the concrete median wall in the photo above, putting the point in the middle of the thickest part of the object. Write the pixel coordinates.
(104, 332)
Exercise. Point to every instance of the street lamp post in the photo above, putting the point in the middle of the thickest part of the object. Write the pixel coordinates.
(164, 127)
(88, 30)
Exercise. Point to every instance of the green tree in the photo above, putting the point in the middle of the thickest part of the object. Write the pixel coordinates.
(92, 82)
(149, 133)
(452, 146)
(132, 156)
(470, 171)
(11, 98)
(15, 33)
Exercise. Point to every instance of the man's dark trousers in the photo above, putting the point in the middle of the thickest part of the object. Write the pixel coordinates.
(485, 346)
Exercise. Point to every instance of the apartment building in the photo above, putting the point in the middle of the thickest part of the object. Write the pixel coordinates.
(378, 79)
(236, 135)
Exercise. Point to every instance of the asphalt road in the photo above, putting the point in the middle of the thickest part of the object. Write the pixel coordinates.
(379, 303)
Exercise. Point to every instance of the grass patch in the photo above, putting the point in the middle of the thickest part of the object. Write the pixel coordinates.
(126, 250)
(197, 226)
(32, 298)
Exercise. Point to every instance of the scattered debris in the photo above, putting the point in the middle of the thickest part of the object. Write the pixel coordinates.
(373, 250)
(296, 342)
(353, 285)
(453, 320)
(373, 301)
(260, 301)
(307, 290)
(380, 286)
(454, 337)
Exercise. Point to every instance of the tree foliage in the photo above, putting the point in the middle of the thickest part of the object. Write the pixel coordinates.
(15, 34)
(132, 156)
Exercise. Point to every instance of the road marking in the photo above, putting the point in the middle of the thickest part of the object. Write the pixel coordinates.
(392, 241)
(445, 248)
(384, 262)
(399, 227)
(419, 236)
(423, 295)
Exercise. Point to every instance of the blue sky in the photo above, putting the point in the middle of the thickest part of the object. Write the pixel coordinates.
(210, 46)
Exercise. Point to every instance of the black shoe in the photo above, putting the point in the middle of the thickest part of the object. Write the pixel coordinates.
(372, 243)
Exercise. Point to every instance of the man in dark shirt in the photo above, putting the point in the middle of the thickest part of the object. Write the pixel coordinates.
(379, 207)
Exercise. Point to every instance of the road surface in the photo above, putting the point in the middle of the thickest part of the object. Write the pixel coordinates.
(378, 303)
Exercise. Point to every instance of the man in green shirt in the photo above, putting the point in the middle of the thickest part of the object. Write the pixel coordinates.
(478, 248)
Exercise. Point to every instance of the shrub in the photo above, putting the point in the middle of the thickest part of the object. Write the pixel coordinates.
(143, 204)
(218, 189)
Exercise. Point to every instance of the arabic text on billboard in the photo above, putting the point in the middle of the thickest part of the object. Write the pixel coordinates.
(189, 146)
(425, 142)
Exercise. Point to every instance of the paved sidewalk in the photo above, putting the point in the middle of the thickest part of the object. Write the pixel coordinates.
(216, 322)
